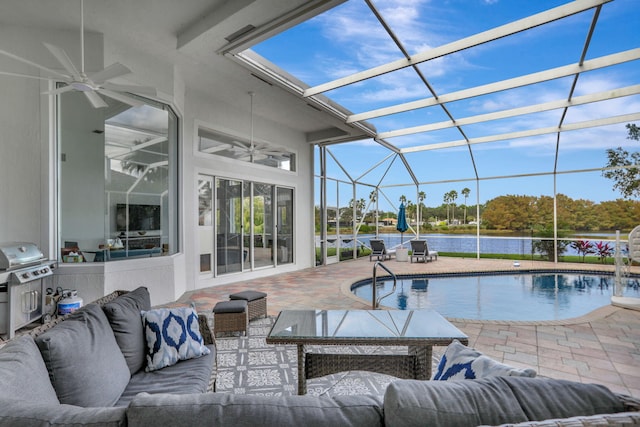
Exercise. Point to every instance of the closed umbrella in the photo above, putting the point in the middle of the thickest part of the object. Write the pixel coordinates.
(402, 223)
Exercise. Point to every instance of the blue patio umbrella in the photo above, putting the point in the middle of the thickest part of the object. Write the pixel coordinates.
(402, 223)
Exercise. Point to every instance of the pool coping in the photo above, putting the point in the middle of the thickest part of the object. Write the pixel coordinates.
(598, 313)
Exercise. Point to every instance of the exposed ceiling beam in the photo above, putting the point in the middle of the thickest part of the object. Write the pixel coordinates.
(553, 105)
(215, 16)
(529, 79)
(462, 44)
(287, 20)
(625, 118)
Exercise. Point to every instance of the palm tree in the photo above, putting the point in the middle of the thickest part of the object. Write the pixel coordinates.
(361, 204)
(410, 208)
(453, 194)
(465, 192)
(447, 200)
(421, 196)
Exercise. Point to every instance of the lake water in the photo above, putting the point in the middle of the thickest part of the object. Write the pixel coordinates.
(460, 243)
(513, 296)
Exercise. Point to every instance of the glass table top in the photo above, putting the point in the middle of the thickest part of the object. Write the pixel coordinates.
(374, 324)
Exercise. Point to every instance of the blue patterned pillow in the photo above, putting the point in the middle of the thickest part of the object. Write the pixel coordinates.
(172, 334)
(460, 362)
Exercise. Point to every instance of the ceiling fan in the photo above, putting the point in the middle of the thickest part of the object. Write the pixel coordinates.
(256, 151)
(76, 80)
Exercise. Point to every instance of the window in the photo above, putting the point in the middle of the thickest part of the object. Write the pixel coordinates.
(246, 150)
(117, 182)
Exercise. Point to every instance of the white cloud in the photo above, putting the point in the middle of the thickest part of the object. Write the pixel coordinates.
(365, 44)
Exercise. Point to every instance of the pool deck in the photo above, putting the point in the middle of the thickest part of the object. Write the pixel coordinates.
(601, 347)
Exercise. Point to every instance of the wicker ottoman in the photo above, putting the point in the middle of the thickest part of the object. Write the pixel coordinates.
(230, 316)
(257, 302)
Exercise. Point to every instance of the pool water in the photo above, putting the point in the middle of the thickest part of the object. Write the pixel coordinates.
(495, 296)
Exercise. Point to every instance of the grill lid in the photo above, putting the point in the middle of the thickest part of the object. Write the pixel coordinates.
(18, 254)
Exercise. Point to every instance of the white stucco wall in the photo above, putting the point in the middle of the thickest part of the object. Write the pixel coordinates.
(205, 112)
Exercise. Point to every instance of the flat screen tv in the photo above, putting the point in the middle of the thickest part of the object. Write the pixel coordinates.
(141, 217)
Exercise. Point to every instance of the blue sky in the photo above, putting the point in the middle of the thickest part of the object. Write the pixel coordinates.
(348, 39)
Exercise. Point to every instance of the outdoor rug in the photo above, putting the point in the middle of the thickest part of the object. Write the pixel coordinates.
(248, 365)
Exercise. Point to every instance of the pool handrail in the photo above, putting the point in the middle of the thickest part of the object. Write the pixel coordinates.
(375, 302)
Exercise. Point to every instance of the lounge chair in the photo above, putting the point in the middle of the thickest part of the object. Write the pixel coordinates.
(379, 251)
(420, 251)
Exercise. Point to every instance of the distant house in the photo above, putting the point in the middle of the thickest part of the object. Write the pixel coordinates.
(389, 221)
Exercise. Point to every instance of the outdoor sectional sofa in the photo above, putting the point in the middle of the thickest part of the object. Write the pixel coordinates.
(88, 369)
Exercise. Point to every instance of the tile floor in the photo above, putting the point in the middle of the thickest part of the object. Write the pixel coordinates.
(601, 347)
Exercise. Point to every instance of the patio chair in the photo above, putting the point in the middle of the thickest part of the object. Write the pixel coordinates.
(420, 250)
(379, 251)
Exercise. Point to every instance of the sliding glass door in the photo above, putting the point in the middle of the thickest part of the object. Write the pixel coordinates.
(205, 223)
(262, 225)
(243, 225)
(285, 225)
(230, 253)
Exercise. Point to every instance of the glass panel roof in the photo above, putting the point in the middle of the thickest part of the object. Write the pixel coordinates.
(474, 90)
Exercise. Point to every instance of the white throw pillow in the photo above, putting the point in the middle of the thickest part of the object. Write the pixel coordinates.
(172, 334)
(460, 362)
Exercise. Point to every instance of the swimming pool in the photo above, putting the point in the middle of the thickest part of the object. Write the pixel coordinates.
(527, 295)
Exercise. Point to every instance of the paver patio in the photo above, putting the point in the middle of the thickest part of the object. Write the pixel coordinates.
(601, 347)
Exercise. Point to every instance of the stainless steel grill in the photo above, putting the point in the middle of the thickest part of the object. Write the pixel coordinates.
(23, 268)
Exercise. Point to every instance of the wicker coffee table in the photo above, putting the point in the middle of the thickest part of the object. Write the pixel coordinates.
(419, 330)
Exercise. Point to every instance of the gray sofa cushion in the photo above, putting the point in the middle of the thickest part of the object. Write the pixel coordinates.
(224, 409)
(450, 403)
(126, 321)
(29, 413)
(85, 364)
(549, 398)
(493, 401)
(188, 376)
(23, 372)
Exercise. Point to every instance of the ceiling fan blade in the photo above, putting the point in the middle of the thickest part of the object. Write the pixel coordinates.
(95, 99)
(64, 60)
(26, 61)
(61, 89)
(122, 97)
(217, 148)
(142, 90)
(6, 73)
(111, 72)
(239, 144)
(260, 145)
